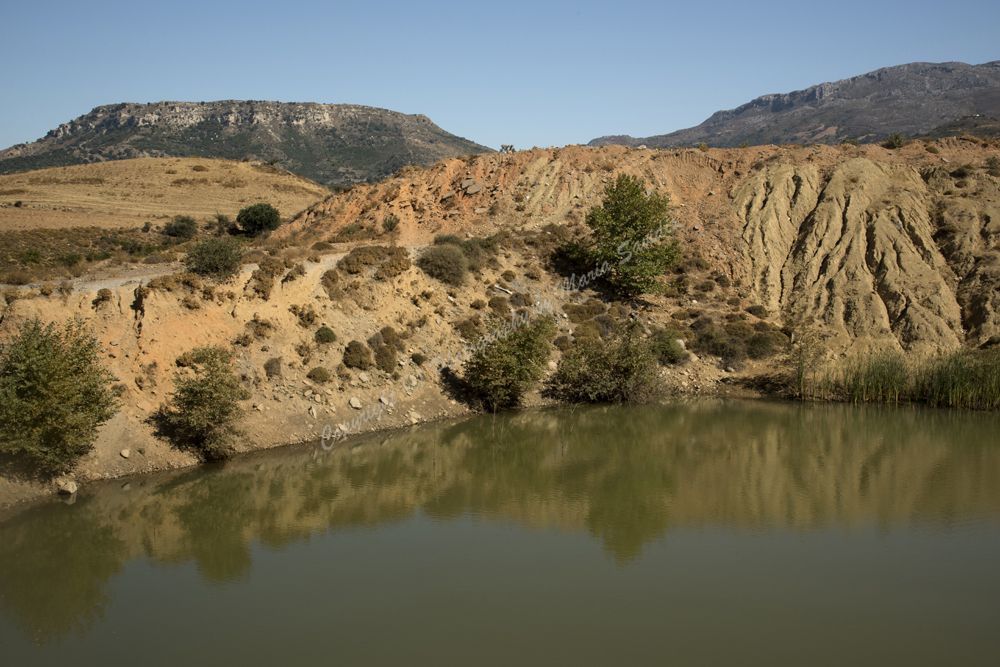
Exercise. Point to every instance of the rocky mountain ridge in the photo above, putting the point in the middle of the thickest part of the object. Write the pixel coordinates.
(911, 99)
(329, 143)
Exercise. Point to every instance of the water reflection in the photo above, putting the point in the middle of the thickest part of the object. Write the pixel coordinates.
(626, 476)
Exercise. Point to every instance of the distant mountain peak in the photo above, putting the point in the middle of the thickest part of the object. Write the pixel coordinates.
(911, 99)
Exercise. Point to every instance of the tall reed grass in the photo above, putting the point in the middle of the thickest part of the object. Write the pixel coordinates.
(961, 379)
(967, 379)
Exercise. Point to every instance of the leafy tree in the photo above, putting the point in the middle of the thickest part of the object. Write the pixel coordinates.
(53, 394)
(258, 218)
(207, 413)
(628, 237)
(510, 363)
(220, 258)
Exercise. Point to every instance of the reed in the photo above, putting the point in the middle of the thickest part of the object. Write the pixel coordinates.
(961, 379)
(880, 377)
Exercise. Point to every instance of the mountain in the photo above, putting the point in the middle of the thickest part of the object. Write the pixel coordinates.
(328, 143)
(910, 99)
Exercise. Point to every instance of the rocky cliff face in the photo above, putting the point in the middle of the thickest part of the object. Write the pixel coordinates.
(330, 143)
(911, 99)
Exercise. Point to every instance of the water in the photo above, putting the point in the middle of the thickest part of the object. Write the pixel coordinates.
(715, 532)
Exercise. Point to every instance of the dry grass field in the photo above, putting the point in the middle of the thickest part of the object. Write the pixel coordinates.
(129, 193)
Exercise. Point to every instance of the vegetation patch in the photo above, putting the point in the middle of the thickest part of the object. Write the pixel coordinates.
(508, 364)
(620, 370)
(53, 394)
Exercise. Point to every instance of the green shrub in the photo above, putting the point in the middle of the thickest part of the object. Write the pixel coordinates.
(763, 344)
(319, 374)
(758, 311)
(418, 358)
(933, 149)
(446, 263)
(258, 218)
(620, 370)
(325, 335)
(718, 343)
(357, 355)
(220, 258)
(207, 406)
(53, 394)
(895, 140)
(182, 226)
(664, 346)
(509, 364)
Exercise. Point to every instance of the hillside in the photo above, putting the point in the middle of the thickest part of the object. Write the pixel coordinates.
(847, 248)
(128, 193)
(912, 99)
(328, 143)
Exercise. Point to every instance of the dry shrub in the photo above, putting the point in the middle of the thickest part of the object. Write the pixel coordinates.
(330, 282)
(478, 304)
(192, 302)
(385, 358)
(245, 339)
(307, 314)
(260, 327)
(500, 306)
(272, 368)
(319, 375)
(357, 355)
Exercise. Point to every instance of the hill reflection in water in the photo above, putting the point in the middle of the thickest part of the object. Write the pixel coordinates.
(627, 477)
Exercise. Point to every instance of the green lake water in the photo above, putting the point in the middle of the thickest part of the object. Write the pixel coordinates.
(696, 533)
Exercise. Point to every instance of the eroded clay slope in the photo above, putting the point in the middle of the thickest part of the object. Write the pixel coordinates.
(852, 251)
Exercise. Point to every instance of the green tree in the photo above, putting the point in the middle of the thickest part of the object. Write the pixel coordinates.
(628, 237)
(258, 218)
(507, 364)
(220, 258)
(206, 409)
(53, 394)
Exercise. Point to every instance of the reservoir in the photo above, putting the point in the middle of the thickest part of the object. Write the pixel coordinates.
(714, 532)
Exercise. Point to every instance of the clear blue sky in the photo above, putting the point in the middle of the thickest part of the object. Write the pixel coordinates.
(524, 73)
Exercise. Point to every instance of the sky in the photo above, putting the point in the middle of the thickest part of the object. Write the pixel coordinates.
(522, 73)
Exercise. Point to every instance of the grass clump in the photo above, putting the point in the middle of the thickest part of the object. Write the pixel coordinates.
(53, 394)
(207, 410)
(620, 370)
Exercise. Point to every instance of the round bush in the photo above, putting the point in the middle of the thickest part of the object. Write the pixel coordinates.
(447, 263)
(385, 358)
(319, 374)
(325, 335)
(258, 218)
(220, 258)
(357, 355)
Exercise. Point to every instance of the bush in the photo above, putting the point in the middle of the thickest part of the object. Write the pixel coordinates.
(509, 364)
(220, 258)
(53, 394)
(664, 346)
(628, 231)
(895, 140)
(621, 370)
(258, 218)
(272, 368)
(385, 358)
(446, 263)
(357, 355)
(418, 358)
(182, 226)
(325, 335)
(207, 409)
(320, 375)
